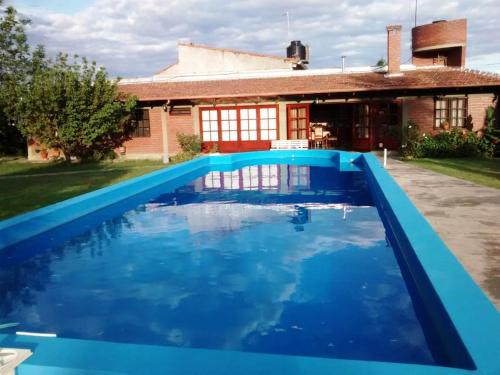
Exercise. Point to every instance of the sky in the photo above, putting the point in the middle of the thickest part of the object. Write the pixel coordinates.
(134, 38)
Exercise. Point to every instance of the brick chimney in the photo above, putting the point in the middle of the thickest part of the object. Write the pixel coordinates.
(393, 49)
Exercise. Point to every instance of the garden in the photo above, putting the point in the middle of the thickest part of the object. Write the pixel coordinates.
(458, 152)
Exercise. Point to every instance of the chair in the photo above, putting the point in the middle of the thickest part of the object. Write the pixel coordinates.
(332, 138)
(318, 136)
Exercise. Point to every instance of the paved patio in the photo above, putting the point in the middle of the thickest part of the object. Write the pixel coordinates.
(465, 215)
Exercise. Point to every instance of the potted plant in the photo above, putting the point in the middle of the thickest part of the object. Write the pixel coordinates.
(44, 154)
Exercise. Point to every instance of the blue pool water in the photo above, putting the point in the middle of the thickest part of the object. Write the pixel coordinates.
(280, 259)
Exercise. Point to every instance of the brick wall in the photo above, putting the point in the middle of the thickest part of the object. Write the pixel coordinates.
(477, 105)
(151, 146)
(421, 110)
(178, 124)
(428, 59)
(436, 38)
(439, 33)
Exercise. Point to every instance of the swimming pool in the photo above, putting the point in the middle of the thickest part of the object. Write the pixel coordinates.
(268, 261)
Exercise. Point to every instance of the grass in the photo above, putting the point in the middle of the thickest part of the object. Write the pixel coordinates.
(26, 186)
(481, 171)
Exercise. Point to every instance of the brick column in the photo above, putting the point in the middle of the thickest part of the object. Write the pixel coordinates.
(164, 136)
(393, 49)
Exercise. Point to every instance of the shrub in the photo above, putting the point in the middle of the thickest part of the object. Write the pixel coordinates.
(214, 149)
(189, 143)
(182, 156)
(446, 144)
(411, 140)
(491, 144)
(455, 143)
(98, 155)
(469, 124)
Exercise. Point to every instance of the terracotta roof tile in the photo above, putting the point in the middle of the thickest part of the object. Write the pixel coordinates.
(314, 84)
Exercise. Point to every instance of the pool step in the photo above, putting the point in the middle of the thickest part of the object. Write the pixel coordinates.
(10, 358)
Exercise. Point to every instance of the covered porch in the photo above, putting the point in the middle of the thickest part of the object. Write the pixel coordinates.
(359, 126)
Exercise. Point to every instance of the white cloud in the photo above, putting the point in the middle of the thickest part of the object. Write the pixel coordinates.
(138, 38)
(487, 61)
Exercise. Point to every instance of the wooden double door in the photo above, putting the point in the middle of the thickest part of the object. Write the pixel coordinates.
(239, 128)
(376, 125)
(372, 123)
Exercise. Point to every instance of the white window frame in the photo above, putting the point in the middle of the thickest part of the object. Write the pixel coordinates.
(210, 125)
(268, 123)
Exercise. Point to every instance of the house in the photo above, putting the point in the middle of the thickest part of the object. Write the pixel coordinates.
(241, 101)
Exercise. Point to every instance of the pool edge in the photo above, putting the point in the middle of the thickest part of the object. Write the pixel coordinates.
(462, 299)
(453, 286)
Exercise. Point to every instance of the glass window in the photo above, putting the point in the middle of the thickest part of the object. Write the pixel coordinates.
(450, 110)
(239, 124)
(458, 112)
(248, 124)
(268, 124)
(229, 125)
(440, 112)
(298, 122)
(140, 120)
(209, 124)
(362, 124)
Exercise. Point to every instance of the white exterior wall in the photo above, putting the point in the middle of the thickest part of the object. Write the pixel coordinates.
(283, 120)
(194, 60)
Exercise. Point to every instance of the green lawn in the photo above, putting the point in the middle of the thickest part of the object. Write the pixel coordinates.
(25, 186)
(481, 171)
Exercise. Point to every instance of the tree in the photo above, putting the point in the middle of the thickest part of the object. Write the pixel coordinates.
(15, 65)
(74, 107)
(381, 62)
(491, 132)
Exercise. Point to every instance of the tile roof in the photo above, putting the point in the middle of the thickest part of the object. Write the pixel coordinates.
(312, 84)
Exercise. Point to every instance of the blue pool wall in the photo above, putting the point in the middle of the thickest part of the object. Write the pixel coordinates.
(467, 324)
(24, 226)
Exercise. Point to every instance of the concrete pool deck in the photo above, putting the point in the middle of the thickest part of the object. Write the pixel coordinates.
(464, 214)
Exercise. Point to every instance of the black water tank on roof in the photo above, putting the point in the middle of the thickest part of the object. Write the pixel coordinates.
(296, 50)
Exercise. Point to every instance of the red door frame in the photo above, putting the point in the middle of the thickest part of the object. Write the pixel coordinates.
(238, 145)
(391, 142)
(289, 107)
(370, 143)
(362, 144)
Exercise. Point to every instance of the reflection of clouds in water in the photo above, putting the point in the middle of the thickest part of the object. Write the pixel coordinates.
(176, 337)
(333, 235)
(227, 271)
(209, 216)
(230, 216)
(168, 294)
(266, 308)
(263, 317)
